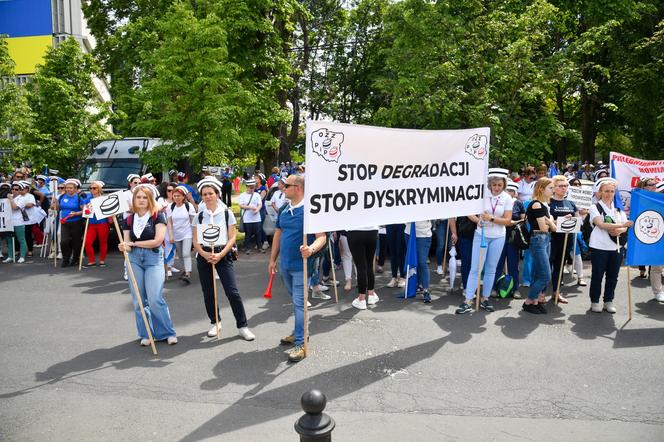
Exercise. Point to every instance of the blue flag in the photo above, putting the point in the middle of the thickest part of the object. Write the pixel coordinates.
(617, 201)
(553, 171)
(645, 245)
(411, 265)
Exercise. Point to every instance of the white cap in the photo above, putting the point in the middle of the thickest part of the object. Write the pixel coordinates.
(601, 181)
(150, 187)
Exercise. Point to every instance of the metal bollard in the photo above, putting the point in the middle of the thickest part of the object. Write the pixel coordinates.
(314, 425)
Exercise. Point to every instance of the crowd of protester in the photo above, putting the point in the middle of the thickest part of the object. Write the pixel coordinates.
(160, 230)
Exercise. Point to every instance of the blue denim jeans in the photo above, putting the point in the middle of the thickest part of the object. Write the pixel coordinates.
(540, 248)
(490, 258)
(511, 254)
(423, 247)
(295, 286)
(527, 267)
(441, 229)
(466, 251)
(148, 267)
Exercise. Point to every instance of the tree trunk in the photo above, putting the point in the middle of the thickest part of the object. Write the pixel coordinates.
(564, 142)
(588, 130)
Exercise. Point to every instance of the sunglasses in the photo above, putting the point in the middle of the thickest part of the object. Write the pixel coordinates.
(16, 188)
(290, 185)
(92, 187)
(169, 190)
(61, 187)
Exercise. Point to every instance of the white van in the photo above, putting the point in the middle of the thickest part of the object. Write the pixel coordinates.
(112, 160)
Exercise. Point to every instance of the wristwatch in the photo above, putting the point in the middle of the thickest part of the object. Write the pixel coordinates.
(492, 219)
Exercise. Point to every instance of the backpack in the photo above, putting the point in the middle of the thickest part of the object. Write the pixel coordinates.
(504, 285)
(186, 205)
(622, 238)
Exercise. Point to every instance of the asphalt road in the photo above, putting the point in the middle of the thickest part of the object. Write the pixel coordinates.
(71, 367)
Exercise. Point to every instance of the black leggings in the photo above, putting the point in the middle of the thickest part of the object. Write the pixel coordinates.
(71, 239)
(362, 244)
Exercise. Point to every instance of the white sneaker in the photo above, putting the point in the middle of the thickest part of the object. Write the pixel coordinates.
(331, 282)
(525, 284)
(317, 294)
(8, 260)
(373, 299)
(439, 270)
(402, 283)
(266, 245)
(169, 273)
(59, 255)
(608, 306)
(393, 282)
(659, 296)
(566, 270)
(145, 342)
(246, 334)
(21, 260)
(174, 270)
(308, 304)
(213, 331)
(125, 277)
(51, 255)
(360, 305)
(172, 340)
(595, 307)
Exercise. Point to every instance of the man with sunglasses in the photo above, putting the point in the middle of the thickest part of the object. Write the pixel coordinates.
(287, 244)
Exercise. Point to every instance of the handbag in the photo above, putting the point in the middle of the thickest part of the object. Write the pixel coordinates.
(269, 225)
(519, 236)
(25, 215)
(465, 227)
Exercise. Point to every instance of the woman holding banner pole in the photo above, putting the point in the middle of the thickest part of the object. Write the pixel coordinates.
(605, 250)
(541, 225)
(560, 207)
(97, 229)
(143, 232)
(497, 213)
(213, 211)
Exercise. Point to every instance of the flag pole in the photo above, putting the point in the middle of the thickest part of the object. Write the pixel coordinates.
(217, 326)
(447, 234)
(306, 296)
(130, 270)
(560, 273)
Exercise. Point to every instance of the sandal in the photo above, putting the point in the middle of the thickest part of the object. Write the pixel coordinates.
(562, 300)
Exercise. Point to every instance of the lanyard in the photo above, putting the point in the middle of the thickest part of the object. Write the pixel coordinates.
(494, 206)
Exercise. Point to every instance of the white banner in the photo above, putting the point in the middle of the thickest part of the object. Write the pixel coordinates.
(581, 196)
(108, 205)
(6, 224)
(628, 170)
(358, 176)
(568, 225)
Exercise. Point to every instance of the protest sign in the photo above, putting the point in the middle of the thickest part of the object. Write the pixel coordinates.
(109, 205)
(645, 243)
(359, 176)
(581, 196)
(211, 235)
(628, 171)
(6, 224)
(568, 225)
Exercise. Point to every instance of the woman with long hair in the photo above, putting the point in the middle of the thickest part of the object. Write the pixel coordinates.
(97, 229)
(180, 214)
(559, 207)
(497, 213)
(606, 252)
(541, 226)
(143, 232)
(213, 211)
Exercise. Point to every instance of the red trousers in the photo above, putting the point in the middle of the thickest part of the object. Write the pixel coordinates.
(97, 231)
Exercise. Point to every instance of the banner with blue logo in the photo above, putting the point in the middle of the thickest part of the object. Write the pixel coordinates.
(645, 245)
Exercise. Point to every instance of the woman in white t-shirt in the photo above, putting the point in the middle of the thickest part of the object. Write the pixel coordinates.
(17, 203)
(605, 250)
(180, 214)
(497, 213)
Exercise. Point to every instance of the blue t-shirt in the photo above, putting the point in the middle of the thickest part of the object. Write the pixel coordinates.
(518, 209)
(291, 223)
(70, 204)
(259, 190)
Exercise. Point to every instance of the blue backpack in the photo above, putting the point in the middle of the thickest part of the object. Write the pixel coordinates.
(505, 286)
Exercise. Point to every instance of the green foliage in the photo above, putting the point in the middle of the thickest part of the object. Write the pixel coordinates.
(65, 114)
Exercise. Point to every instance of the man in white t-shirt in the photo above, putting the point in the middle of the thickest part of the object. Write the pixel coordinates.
(250, 204)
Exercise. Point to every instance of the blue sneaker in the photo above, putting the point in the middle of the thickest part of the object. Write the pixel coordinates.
(427, 297)
(463, 308)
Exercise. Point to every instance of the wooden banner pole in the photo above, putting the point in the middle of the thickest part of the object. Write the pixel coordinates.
(447, 234)
(130, 270)
(85, 236)
(306, 299)
(334, 273)
(216, 302)
(562, 264)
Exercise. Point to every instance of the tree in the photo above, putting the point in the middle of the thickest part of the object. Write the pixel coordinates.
(15, 115)
(66, 113)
